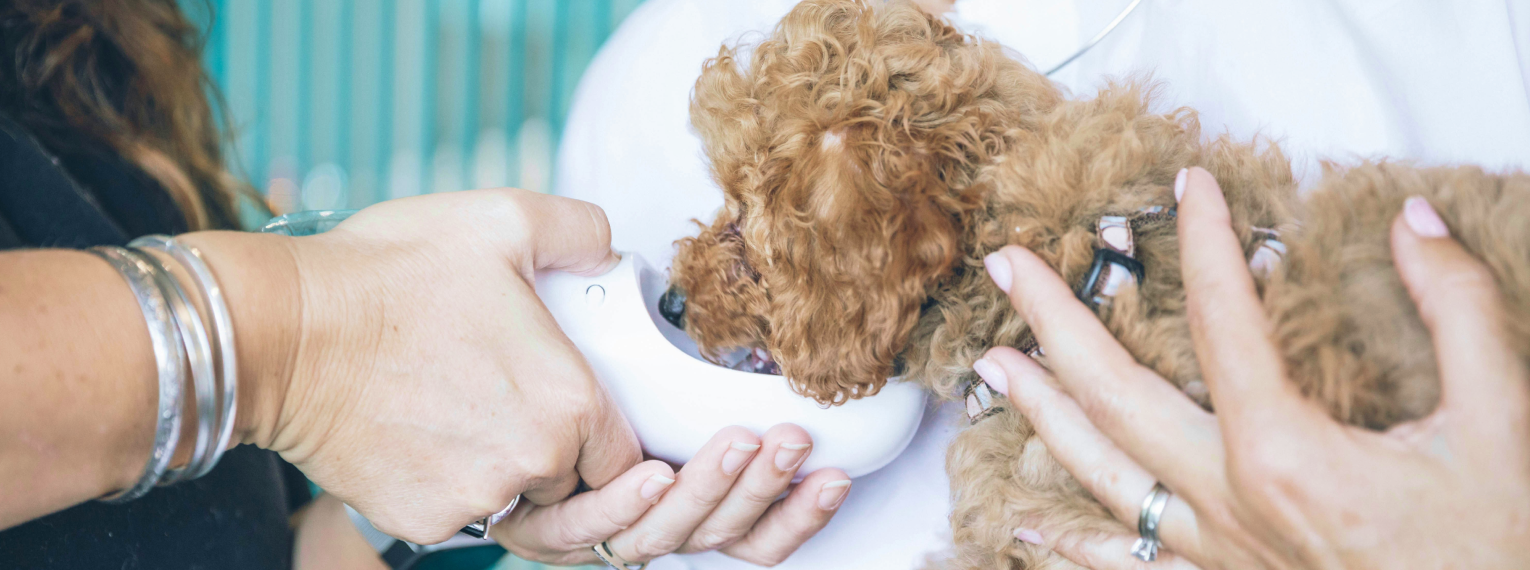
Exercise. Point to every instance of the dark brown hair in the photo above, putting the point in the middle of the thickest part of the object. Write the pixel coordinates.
(125, 75)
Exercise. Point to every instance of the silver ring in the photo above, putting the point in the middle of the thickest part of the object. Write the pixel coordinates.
(605, 554)
(1147, 545)
(480, 528)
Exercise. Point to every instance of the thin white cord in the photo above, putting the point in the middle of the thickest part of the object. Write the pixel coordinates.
(1100, 36)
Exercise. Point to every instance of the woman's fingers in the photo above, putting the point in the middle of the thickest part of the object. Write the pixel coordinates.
(1151, 420)
(565, 531)
(1101, 550)
(611, 448)
(700, 486)
(790, 522)
(1104, 470)
(783, 449)
(1242, 368)
(1459, 300)
(565, 234)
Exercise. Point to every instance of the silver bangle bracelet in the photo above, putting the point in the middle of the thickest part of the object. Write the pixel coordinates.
(169, 357)
(211, 296)
(204, 382)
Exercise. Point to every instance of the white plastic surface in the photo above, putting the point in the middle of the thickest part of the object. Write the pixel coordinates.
(676, 401)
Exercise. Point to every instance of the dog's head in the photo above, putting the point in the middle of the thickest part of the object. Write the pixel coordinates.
(847, 148)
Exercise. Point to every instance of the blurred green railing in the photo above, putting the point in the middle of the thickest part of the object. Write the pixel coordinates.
(342, 103)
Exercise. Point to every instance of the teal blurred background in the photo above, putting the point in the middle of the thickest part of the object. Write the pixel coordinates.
(343, 103)
(337, 104)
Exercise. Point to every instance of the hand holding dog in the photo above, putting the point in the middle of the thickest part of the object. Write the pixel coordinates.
(1270, 481)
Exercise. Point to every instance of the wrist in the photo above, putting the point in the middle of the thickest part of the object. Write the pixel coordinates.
(259, 277)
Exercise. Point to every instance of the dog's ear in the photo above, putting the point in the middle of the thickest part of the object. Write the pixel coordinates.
(868, 234)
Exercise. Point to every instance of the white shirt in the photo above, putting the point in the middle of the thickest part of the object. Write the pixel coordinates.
(1436, 82)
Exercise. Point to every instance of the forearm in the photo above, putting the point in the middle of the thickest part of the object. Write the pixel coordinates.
(78, 382)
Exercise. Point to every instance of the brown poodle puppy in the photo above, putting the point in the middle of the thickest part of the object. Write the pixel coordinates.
(872, 156)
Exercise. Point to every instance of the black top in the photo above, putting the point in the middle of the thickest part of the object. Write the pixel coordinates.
(233, 518)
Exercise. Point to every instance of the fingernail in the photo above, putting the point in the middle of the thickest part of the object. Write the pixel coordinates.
(790, 454)
(992, 375)
(831, 494)
(1422, 218)
(1028, 535)
(998, 270)
(1179, 184)
(1264, 262)
(655, 486)
(738, 454)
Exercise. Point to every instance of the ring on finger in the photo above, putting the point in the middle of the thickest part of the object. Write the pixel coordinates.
(1147, 545)
(605, 554)
(480, 528)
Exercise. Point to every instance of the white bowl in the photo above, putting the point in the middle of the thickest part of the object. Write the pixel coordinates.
(676, 401)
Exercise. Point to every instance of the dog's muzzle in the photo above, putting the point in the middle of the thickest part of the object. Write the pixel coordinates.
(672, 306)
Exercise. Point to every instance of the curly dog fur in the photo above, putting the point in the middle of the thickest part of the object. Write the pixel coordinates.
(871, 156)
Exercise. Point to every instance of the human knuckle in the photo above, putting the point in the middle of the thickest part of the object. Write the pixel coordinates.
(1220, 517)
(1099, 406)
(424, 535)
(706, 539)
(569, 534)
(1266, 469)
(391, 527)
(653, 544)
(1471, 282)
(1032, 307)
(583, 395)
(758, 493)
(1103, 482)
(598, 216)
(507, 211)
(540, 466)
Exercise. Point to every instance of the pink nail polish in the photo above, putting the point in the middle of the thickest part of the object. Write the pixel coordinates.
(655, 486)
(1028, 536)
(737, 456)
(1179, 184)
(790, 454)
(992, 375)
(832, 494)
(1422, 218)
(999, 270)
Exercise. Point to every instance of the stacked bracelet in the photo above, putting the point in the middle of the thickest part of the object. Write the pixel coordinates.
(219, 416)
(193, 341)
(169, 355)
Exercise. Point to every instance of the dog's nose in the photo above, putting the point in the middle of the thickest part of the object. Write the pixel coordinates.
(672, 306)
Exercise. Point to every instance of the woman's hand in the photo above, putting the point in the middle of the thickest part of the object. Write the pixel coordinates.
(427, 385)
(1271, 481)
(723, 499)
